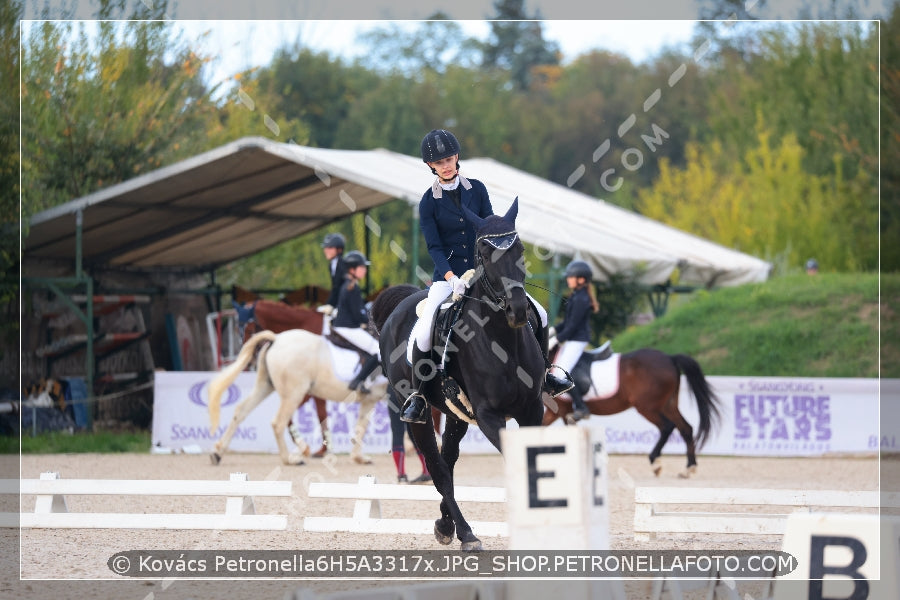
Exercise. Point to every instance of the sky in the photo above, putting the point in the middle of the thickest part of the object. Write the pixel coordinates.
(245, 44)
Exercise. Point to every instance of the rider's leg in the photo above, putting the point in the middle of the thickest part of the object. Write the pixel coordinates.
(568, 356)
(369, 345)
(371, 363)
(553, 385)
(418, 351)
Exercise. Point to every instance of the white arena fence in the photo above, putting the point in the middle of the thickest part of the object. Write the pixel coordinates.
(51, 510)
(760, 416)
(655, 509)
(367, 508)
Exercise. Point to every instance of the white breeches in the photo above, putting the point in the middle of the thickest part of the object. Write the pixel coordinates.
(437, 294)
(568, 355)
(360, 338)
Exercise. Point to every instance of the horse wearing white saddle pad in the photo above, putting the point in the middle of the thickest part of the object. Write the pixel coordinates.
(605, 377)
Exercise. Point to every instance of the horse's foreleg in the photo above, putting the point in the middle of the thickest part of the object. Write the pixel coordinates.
(366, 408)
(260, 391)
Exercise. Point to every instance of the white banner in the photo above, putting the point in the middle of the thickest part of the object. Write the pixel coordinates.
(759, 416)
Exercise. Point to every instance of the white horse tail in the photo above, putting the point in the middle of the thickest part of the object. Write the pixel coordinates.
(226, 376)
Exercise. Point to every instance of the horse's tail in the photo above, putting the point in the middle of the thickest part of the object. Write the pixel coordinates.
(388, 300)
(226, 376)
(707, 402)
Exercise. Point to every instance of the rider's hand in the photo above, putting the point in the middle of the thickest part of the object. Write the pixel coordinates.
(325, 309)
(458, 286)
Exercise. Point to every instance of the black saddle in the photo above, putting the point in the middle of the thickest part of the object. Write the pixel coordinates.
(442, 327)
(581, 373)
(341, 342)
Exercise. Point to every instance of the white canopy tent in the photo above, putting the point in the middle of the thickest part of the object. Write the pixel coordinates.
(253, 193)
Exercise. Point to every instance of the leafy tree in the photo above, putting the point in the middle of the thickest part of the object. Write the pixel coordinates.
(767, 205)
(435, 45)
(9, 171)
(890, 141)
(314, 88)
(517, 44)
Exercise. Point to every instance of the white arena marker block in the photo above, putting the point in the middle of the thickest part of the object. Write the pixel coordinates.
(556, 488)
(841, 556)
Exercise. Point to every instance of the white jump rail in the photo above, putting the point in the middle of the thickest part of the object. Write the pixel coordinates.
(367, 510)
(51, 511)
(650, 520)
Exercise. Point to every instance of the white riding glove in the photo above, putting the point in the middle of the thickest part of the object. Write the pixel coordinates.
(325, 309)
(458, 286)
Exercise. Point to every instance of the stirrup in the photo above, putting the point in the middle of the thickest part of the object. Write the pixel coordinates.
(556, 386)
(409, 406)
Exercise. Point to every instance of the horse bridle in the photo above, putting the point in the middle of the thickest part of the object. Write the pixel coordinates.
(500, 242)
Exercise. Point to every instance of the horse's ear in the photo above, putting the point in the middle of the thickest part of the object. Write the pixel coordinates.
(512, 212)
(472, 218)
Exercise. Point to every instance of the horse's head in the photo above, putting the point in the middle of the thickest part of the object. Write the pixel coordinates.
(500, 263)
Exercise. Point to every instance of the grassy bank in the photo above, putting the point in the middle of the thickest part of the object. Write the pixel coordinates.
(823, 326)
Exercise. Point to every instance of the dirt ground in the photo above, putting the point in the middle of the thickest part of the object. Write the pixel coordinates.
(79, 557)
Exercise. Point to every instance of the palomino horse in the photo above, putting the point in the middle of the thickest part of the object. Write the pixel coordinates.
(278, 317)
(649, 381)
(296, 364)
(490, 385)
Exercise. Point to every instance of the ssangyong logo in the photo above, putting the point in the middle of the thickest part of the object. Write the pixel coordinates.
(232, 394)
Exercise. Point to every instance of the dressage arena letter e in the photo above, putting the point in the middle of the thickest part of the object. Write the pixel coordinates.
(556, 488)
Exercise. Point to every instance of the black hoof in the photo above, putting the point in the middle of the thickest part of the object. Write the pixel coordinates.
(472, 546)
(423, 478)
(214, 458)
(440, 536)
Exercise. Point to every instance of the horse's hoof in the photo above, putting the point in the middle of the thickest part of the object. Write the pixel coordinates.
(657, 468)
(321, 452)
(440, 536)
(686, 474)
(295, 460)
(472, 546)
(214, 458)
(362, 460)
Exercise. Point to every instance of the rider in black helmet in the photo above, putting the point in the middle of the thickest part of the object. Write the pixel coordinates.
(333, 248)
(450, 239)
(574, 332)
(352, 316)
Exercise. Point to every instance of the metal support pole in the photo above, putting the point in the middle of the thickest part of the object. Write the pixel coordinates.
(79, 219)
(553, 285)
(367, 244)
(414, 260)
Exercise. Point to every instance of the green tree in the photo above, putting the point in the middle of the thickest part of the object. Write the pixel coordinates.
(517, 43)
(10, 13)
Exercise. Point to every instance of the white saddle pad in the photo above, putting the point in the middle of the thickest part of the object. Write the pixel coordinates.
(604, 377)
(345, 362)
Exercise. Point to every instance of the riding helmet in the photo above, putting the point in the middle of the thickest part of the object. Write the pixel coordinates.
(438, 144)
(579, 268)
(354, 259)
(334, 240)
(812, 264)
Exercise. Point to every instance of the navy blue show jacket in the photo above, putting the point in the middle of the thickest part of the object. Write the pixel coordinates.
(576, 326)
(449, 236)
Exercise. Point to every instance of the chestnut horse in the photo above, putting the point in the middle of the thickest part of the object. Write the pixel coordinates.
(649, 381)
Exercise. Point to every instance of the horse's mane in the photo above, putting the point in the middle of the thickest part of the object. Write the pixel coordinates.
(388, 300)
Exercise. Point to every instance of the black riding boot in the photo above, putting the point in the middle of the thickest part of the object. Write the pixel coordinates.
(415, 409)
(553, 385)
(365, 370)
(579, 409)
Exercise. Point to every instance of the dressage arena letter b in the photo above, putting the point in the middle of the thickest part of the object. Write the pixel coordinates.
(818, 569)
(534, 499)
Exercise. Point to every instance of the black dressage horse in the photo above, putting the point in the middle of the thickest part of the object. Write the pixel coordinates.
(493, 366)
